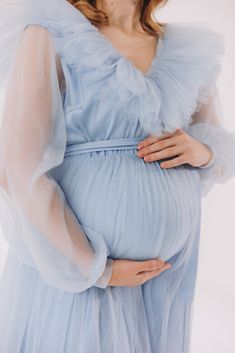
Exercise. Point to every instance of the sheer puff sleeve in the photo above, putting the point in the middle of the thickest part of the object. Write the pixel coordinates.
(207, 126)
(36, 219)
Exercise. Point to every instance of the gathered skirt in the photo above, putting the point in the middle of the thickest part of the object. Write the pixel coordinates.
(144, 212)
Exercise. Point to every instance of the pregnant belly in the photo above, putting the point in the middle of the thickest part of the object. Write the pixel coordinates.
(141, 210)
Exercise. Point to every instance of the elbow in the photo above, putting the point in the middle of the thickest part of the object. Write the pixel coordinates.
(11, 182)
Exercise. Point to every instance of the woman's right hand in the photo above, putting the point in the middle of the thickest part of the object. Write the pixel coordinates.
(132, 273)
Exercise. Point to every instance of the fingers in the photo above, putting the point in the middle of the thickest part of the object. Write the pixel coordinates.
(146, 276)
(174, 162)
(176, 147)
(149, 265)
(156, 145)
(151, 139)
(133, 273)
(166, 153)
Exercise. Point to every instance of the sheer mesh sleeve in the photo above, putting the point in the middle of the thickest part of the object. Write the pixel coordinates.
(208, 127)
(36, 218)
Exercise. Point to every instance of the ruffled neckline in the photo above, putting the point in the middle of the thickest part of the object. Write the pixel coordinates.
(114, 51)
(121, 56)
(181, 75)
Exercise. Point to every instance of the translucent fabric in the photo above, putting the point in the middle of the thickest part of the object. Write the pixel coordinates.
(66, 213)
(34, 210)
(207, 126)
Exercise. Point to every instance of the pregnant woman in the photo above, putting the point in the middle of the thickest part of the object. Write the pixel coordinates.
(110, 136)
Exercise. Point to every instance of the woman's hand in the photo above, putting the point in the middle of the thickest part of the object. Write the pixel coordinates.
(134, 273)
(179, 145)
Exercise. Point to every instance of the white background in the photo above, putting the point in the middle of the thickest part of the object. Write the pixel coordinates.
(214, 306)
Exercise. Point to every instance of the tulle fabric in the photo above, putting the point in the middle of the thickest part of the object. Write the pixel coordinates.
(34, 211)
(187, 61)
(208, 127)
(152, 318)
(100, 97)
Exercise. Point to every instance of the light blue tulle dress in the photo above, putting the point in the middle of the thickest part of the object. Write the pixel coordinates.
(128, 208)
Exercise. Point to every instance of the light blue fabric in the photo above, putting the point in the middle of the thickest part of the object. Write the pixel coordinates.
(142, 210)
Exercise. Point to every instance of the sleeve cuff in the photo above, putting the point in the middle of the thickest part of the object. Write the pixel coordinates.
(211, 162)
(103, 280)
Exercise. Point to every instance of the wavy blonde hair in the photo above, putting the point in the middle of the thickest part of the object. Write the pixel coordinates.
(97, 17)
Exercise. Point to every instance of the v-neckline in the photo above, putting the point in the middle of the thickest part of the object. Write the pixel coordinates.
(158, 48)
(118, 54)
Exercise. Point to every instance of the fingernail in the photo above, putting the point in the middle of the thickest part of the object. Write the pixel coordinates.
(147, 159)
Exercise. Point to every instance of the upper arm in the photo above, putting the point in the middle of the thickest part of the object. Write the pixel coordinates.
(37, 43)
(32, 108)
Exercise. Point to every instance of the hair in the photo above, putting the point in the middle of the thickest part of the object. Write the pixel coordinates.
(97, 17)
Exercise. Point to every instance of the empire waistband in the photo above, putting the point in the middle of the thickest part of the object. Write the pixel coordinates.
(101, 145)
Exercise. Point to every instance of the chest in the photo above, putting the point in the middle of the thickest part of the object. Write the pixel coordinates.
(139, 49)
(105, 81)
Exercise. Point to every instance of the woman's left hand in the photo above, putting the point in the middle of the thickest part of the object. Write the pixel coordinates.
(179, 145)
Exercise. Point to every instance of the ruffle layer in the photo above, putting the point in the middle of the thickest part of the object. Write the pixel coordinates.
(223, 167)
(181, 76)
(186, 71)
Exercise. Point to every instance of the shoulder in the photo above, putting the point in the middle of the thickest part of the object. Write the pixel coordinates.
(186, 70)
(196, 30)
(193, 41)
(56, 15)
(56, 19)
(190, 58)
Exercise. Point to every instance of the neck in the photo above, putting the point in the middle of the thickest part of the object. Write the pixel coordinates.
(123, 14)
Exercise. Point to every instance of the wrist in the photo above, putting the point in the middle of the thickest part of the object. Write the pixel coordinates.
(211, 158)
(103, 280)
